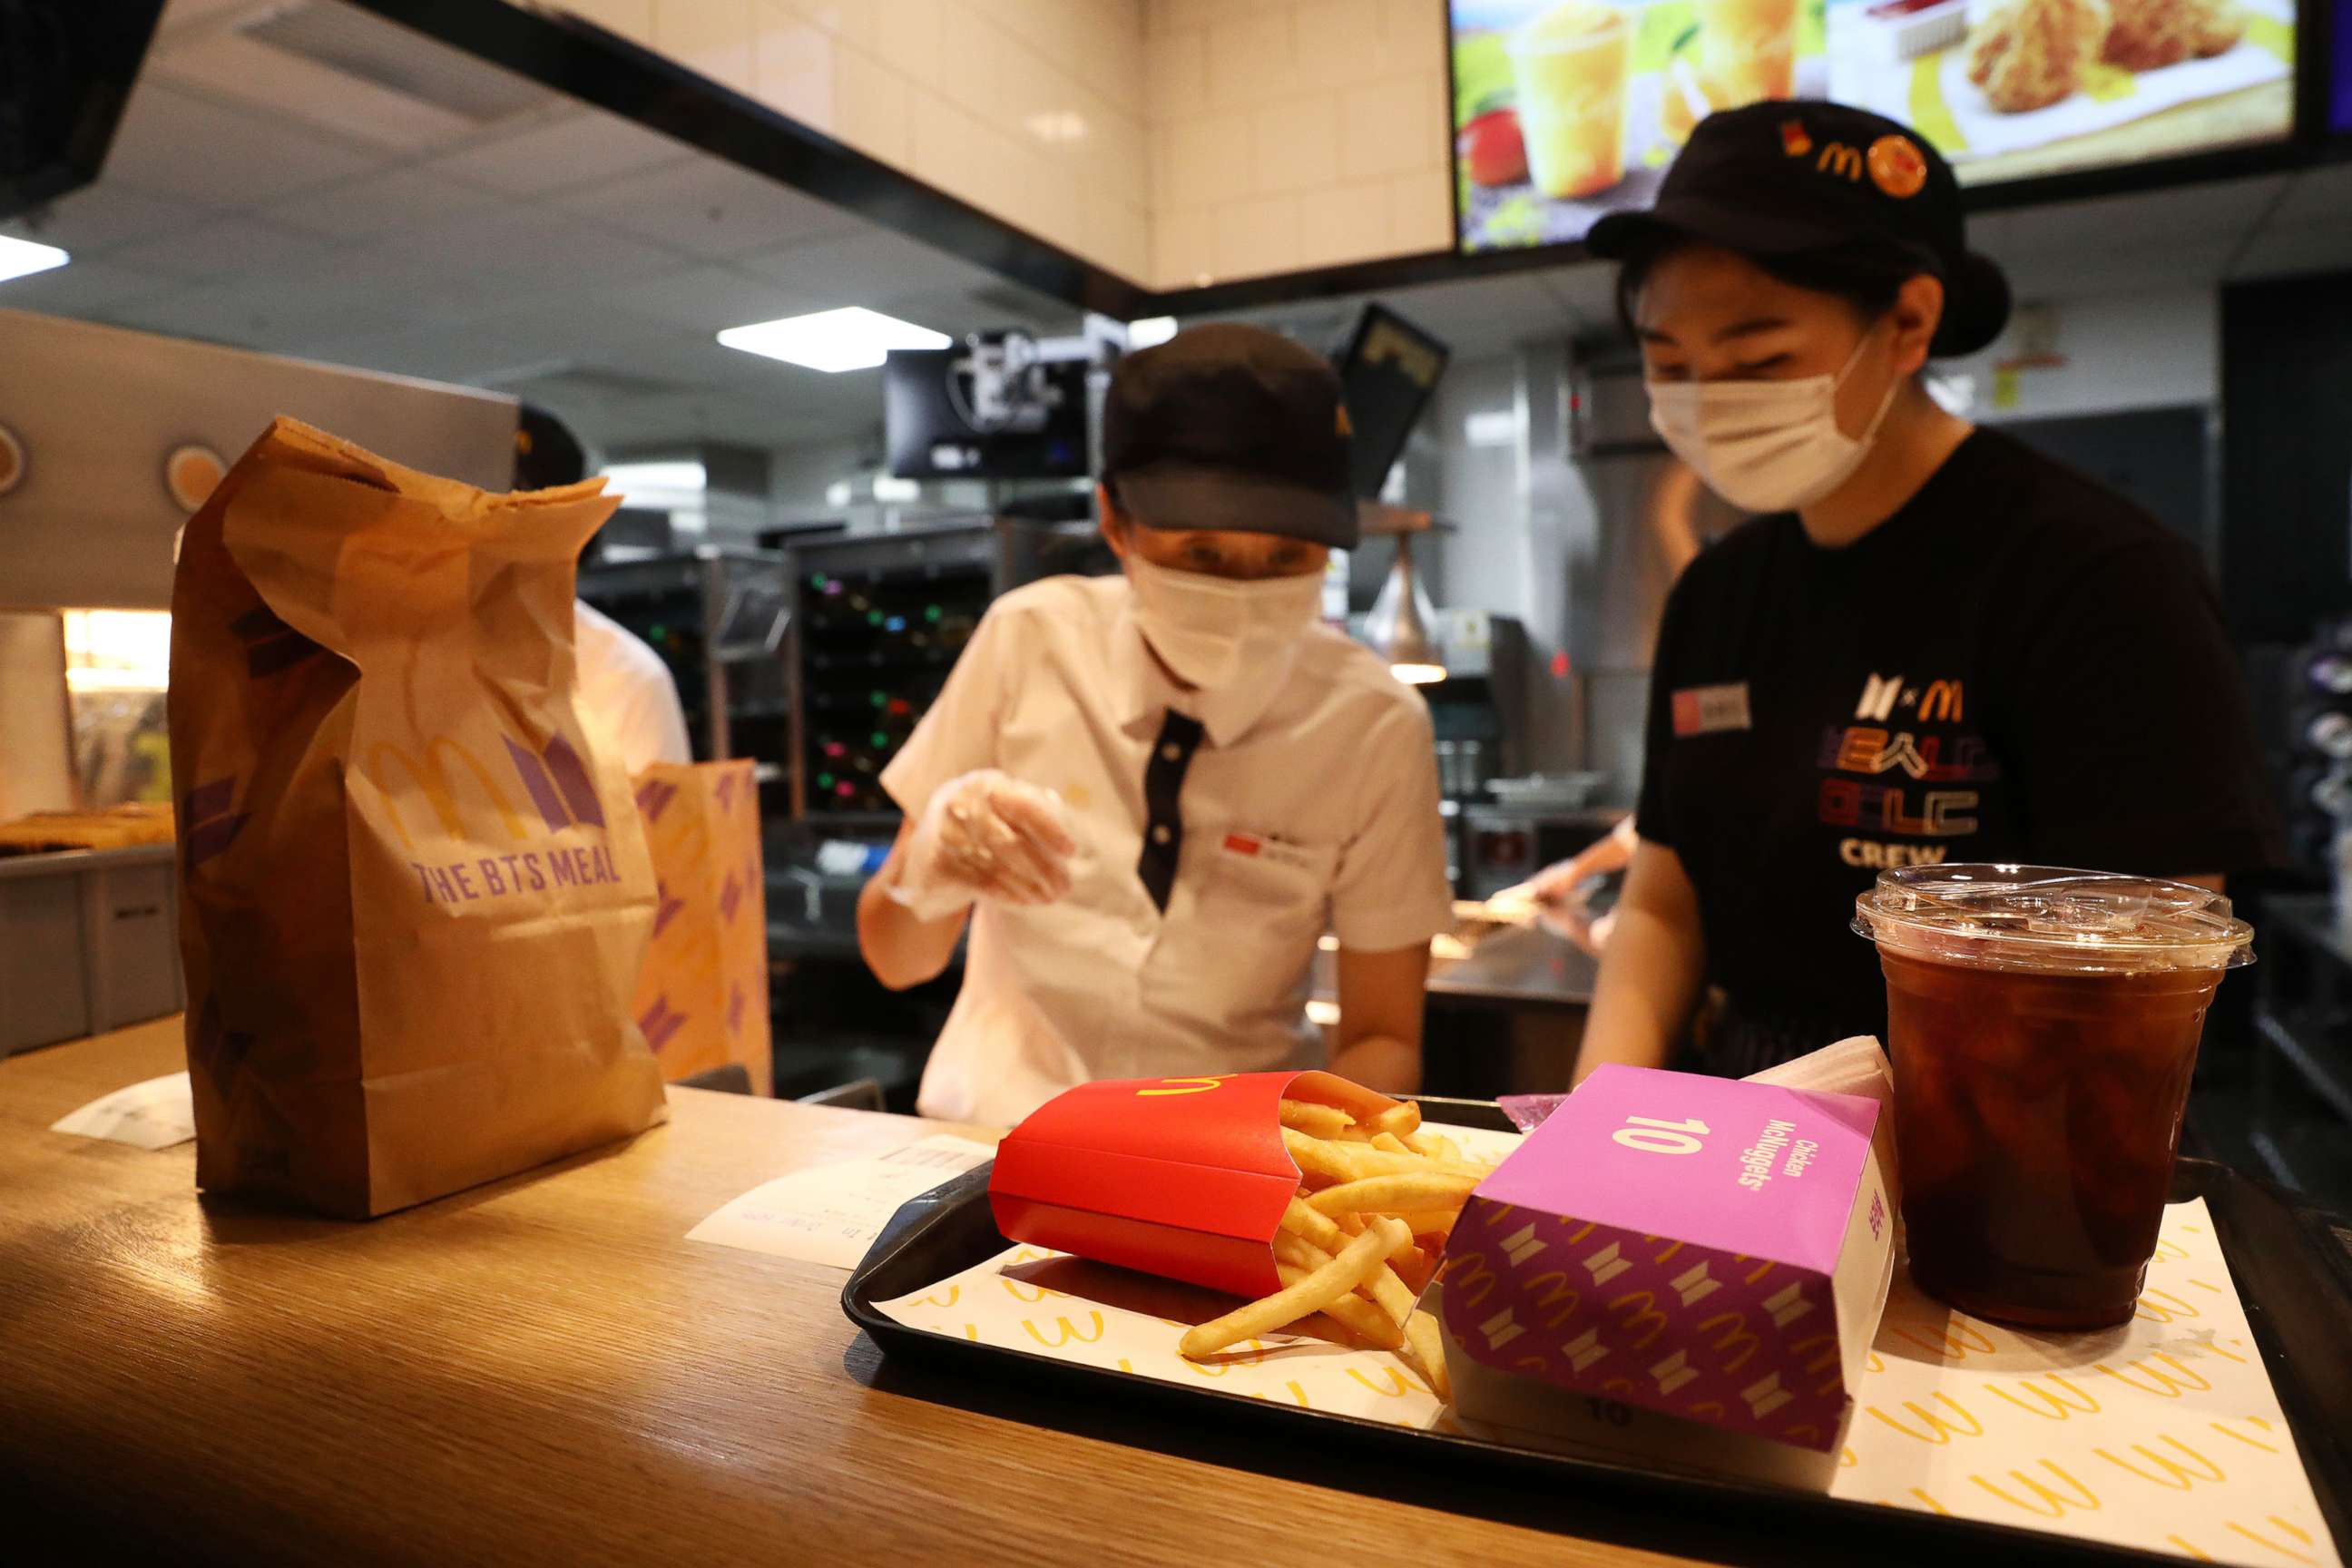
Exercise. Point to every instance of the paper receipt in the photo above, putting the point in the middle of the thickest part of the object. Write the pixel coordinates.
(156, 1114)
(831, 1214)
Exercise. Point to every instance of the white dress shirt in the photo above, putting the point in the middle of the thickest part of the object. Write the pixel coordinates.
(627, 700)
(1312, 802)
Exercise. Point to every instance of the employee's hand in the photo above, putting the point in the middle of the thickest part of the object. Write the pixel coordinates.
(986, 834)
(1563, 881)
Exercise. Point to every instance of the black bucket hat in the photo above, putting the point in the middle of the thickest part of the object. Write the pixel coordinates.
(1793, 177)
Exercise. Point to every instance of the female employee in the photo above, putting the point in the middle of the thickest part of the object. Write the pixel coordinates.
(1151, 792)
(1934, 645)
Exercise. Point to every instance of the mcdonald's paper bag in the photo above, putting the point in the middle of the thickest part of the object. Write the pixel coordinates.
(1714, 1251)
(1186, 1177)
(413, 902)
(702, 997)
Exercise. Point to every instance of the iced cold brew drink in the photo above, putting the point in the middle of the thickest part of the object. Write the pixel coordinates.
(2044, 1024)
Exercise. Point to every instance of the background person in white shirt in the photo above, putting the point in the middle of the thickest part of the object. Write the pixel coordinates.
(1152, 794)
(627, 698)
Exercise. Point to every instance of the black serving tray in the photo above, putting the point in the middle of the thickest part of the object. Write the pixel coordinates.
(2290, 1268)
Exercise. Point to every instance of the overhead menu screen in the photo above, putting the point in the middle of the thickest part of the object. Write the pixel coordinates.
(1564, 110)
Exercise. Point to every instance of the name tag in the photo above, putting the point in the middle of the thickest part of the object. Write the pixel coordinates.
(1273, 851)
(1711, 709)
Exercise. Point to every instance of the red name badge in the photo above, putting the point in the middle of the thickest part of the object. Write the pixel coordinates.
(1185, 1177)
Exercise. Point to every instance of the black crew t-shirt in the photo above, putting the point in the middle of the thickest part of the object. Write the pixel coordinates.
(2017, 665)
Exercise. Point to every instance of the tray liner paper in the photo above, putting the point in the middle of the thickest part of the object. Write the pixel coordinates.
(1185, 1177)
(2164, 1434)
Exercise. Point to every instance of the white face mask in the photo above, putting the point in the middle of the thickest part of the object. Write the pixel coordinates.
(1765, 446)
(1212, 632)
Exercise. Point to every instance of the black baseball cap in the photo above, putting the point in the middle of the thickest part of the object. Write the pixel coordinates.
(1792, 178)
(1231, 427)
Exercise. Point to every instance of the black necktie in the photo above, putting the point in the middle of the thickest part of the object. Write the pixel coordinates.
(1164, 825)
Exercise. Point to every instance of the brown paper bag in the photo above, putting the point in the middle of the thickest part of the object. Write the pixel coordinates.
(414, 904)
(702, 998)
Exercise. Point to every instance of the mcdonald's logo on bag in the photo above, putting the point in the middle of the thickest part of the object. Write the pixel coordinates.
(555, 779)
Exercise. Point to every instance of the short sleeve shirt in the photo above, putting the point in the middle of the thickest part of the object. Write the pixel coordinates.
(1311, 804)
(2017, 665)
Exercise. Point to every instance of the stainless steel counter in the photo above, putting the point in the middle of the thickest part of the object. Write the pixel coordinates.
(1519, 966)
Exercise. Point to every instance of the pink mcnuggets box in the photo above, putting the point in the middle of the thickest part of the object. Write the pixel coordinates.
(1713, 1251)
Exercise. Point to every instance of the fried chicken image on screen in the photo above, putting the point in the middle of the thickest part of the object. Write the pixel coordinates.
(2151, 33)
(2028, 54)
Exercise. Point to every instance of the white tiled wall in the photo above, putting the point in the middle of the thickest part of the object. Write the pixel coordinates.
(1172, 141)
(1029, 110)
(1294, 134)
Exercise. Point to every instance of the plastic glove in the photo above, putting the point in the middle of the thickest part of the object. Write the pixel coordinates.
(1563, 882)
(985, 835)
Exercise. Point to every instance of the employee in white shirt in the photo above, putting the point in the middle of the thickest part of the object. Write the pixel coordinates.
(628, 701)
(1150, 795)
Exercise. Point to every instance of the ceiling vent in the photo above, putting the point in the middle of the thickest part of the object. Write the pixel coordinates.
(344, 38)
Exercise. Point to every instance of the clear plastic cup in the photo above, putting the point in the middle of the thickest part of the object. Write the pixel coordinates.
(1570, 65)
(2044, 1024)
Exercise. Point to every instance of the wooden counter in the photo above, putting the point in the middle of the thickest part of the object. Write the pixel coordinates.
(544, 1370)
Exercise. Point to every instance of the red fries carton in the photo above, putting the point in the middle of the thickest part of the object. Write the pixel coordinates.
(1186, 1177)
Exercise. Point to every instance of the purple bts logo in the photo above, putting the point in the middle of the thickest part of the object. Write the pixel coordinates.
(654, 797)
(659, 1022)
(207, 826)
(668, 908)
(558, 783)
(1877, 1214)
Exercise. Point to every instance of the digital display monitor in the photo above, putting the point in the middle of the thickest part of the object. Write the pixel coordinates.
(939, 426)
(1564, 110)
(1388, 373)
(65, 74)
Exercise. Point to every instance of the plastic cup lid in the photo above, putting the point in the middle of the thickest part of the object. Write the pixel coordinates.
(2046, 918)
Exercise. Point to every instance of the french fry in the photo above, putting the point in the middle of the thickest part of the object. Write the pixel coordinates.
(1379, 1320)
(1312, 1293)
(1432, 1146)
(1396, 1194)
(1398, 1119)
(1322, 1160)
(1372, 1321)
(1314, 1226)
(1317, 1158)
(1415, 1267)
(1389, 1143)
(1431, 1222)
(1317, 1120)
(1428, 1353)
(1363, 1320)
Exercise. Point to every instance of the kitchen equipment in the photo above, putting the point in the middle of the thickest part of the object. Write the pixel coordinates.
(1546, 792)
(716, 616)
(1504, 845)
(89, 940)
(882, 619)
